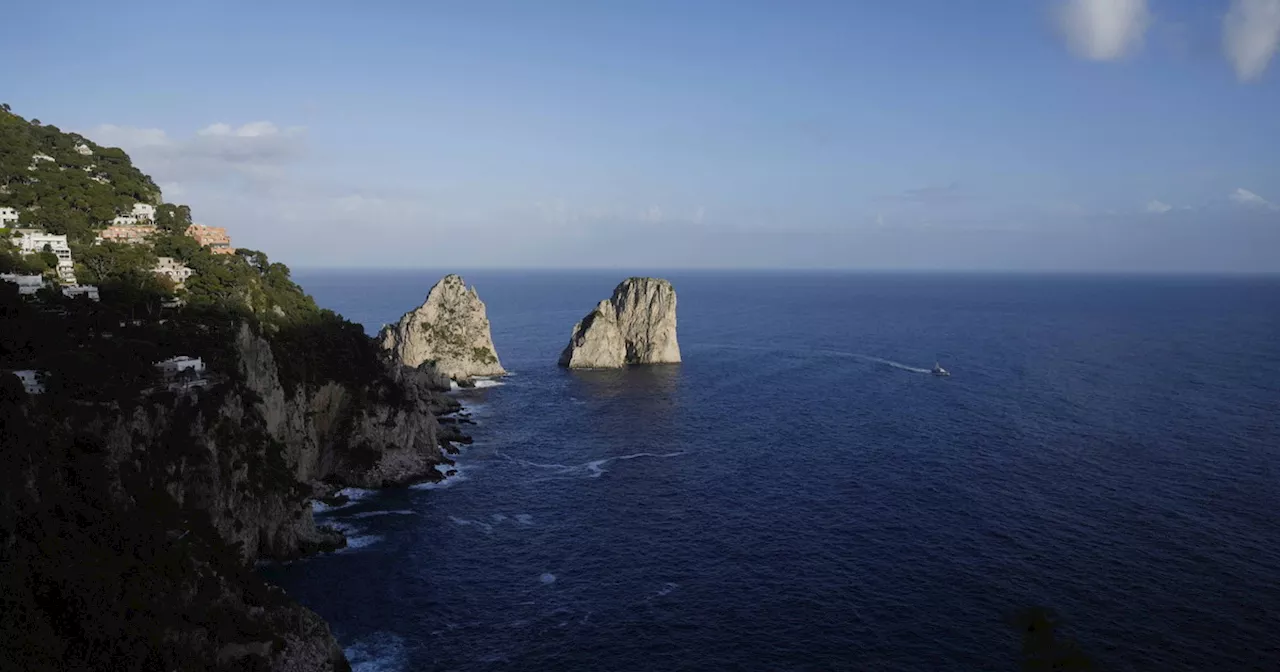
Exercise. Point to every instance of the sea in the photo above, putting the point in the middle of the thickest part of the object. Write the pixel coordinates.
(801, 494)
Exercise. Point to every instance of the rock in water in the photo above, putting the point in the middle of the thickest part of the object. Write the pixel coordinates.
(636, 326)
(449, 329)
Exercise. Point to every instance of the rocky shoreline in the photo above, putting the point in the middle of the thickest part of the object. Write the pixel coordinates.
(174, 498)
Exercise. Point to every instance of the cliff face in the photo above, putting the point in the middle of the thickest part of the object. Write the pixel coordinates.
(637, 325)
(449, 330)
(179, 495)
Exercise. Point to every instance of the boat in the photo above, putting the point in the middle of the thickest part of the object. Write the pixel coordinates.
(937, 370)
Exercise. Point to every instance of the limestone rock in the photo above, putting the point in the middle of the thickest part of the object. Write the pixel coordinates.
(637, 325)
(449, 330)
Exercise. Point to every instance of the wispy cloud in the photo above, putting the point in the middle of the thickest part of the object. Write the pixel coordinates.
(1158, 207)
(1102, 30)
(254, 152)
(1250, 34)
(933, 195)
(1242, 196)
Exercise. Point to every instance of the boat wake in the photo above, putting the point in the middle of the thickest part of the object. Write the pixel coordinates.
(592, 469)
(822, 352)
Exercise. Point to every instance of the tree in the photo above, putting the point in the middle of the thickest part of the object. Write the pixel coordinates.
(173, 218)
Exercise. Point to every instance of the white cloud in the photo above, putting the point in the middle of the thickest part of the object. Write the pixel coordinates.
(254, 152)
(653, 214)
(110, 135)
(699, 214)
(1247, 198)
(1158, 207)
(1250, 34)
(1103, 30)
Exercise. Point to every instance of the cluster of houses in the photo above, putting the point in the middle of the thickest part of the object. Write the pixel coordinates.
(135, 228)
(178, 374)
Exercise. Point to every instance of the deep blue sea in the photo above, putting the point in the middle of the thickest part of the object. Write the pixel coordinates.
(799, 495)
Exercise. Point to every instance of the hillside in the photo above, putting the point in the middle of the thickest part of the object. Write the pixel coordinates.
(136, 499)
(65, 184)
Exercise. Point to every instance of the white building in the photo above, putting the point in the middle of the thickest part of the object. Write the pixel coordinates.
(170, 268)
(81, 290)
(31, 380)
(83, 149)
(175, 366)
(125, 220)
(8, 216)
(32, 241)
(40, 157)
(144, 211)
(27, 284)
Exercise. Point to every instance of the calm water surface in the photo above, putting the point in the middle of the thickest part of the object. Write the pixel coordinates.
(798, 495)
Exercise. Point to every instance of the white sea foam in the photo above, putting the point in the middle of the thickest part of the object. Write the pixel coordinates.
(374, 514)
(592, 469)
(356, 494)
(498, 517)
(382, 652)
(353, 496)
(666, 589)
(488, 529)
(482, 383)
(524, 519)
(446, 482)
(547, 578)
(355, 540)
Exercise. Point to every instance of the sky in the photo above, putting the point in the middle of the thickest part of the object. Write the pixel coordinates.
(1053, 135)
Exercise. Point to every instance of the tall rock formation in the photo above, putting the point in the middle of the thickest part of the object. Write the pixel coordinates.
(449, 330)
(637, 325)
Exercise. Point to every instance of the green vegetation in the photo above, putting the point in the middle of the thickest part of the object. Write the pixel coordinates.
(484, 355)
(61, 196)
(69, 338)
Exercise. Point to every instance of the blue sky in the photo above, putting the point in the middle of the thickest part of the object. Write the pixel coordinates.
(1125, 135)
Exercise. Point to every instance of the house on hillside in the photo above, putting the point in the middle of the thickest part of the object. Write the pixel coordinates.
(83, 149)
(31, 380)
(8, 217)
(28, 285)
(74, 291)
(131, 235)
(144, 212)
(33, 241)
(213, 237)
(183, 373)
(172, 269)
(40, 157)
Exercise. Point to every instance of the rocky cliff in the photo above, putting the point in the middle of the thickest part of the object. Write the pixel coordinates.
(637, 325)
(449, 331)
(127, 534)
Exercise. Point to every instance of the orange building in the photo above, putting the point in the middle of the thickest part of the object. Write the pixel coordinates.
(128, 234)
(213, 237)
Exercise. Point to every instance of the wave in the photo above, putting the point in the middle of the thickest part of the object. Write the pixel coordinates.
(488, 529)
(446, 481)
(593, 469)
(355, 540)
(482, 383)
(382, 652)
(374, 514)
(353, 495)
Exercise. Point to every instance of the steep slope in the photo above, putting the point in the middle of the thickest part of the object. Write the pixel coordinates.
(132, 510)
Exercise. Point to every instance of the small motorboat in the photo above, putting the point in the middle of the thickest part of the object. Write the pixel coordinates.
(937, 370)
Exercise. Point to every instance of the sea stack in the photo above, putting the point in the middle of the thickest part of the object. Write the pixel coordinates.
(448, 331)
(637, 325)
